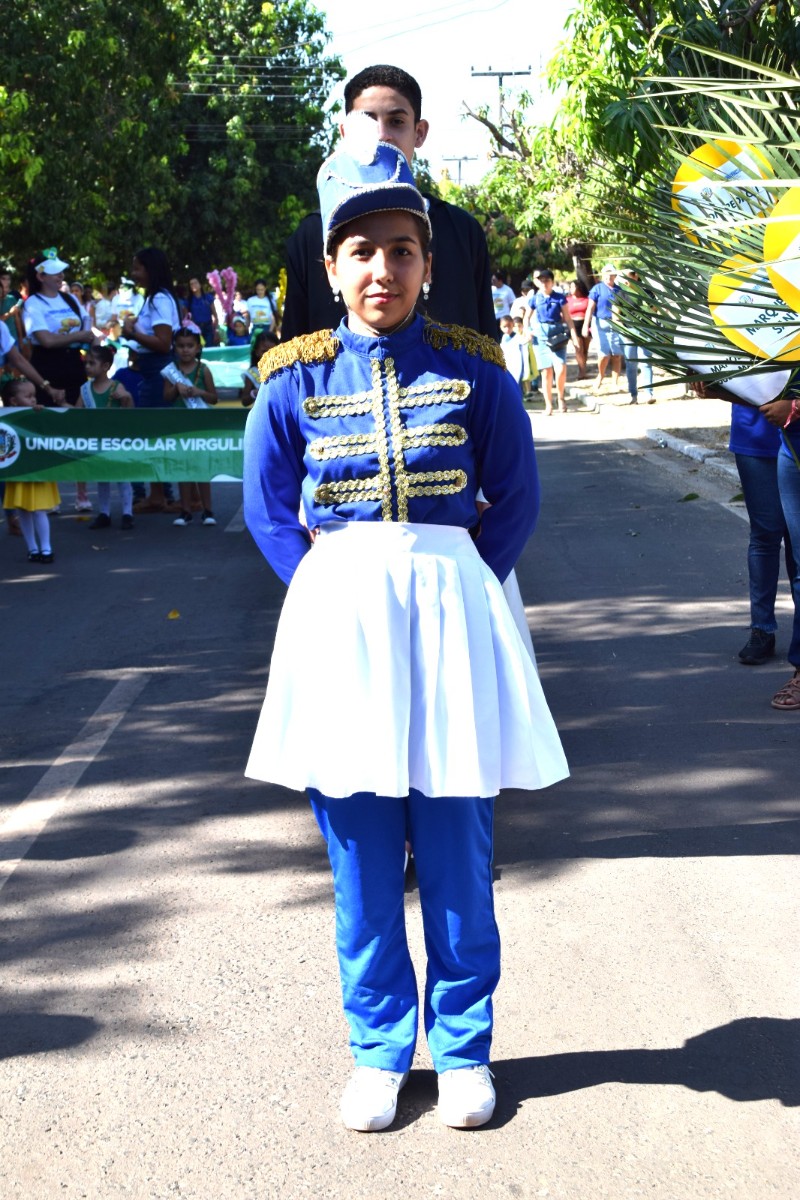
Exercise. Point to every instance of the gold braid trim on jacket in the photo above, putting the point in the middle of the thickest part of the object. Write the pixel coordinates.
(461, 338)
(320, 346)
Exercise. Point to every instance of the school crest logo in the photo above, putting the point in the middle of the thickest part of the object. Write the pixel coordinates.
(9, 446)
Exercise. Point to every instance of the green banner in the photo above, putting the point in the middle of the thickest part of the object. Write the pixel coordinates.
(142, 444)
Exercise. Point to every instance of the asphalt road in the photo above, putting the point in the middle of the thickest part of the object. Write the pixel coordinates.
(170, 1022)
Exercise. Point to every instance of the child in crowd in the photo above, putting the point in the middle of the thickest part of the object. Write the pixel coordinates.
(530, 379)
(101, 392)
(198, 391)
(32, 501)
(251, 381)
(238, 329)
(513, 350)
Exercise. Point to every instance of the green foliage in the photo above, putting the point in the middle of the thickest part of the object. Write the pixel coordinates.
(679, 252)
(511, 248)
(602, 141)
(612, 44)
(75, 155)
(197, 125)
(423, 178)
(252, 113)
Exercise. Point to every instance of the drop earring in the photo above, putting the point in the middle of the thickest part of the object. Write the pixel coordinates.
(335, 291)
(426, 291)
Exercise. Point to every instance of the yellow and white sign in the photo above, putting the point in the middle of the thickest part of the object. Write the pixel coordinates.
(716, 186)
(782, 247)
(707, 358)
(750, 313)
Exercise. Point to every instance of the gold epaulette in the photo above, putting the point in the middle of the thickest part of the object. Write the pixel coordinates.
(461, 338)
(320, 346)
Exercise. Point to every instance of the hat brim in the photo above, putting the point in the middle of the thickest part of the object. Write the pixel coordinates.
(398, 197)
(52, 266)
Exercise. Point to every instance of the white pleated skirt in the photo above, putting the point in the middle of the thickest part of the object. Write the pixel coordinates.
(397, 665)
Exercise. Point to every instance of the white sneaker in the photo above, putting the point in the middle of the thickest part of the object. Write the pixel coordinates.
(466, 1097)
(369, 1101)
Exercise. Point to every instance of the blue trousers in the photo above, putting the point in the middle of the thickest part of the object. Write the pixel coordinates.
(789, 486)
(636, 356)
(768, 529)
(452, 841)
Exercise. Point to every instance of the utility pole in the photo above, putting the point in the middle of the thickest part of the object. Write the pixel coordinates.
(500, 76)
(459, 159)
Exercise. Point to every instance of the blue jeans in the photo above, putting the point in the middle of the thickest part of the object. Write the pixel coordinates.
(452, 840)
(151, 389)
(789, 486)
(151, 395)
(759, 478)
(634, 356)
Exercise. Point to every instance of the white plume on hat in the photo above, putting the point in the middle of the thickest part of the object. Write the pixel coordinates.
(361, 137)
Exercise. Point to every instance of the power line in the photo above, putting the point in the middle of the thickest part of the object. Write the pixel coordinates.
(500, 76)
(459, 159)
(492, 8)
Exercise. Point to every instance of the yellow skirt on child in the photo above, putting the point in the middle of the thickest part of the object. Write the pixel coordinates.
(32, 496)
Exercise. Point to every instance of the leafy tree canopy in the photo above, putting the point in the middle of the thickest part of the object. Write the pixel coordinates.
(190, 124)
(602, 140)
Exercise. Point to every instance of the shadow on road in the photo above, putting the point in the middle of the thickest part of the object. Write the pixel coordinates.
(37, 1032)
(755, 1058)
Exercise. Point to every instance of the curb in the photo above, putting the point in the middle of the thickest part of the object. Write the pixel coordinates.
(709, 458)
(690, 449)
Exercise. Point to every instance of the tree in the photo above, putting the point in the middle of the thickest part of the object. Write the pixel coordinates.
(602, 140)
(195, 126)
(254, 131)
(85, 111)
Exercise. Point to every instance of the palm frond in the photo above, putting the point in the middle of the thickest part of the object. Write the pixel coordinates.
(702, 234)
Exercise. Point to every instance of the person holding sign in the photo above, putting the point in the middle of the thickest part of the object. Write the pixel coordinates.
(58, 327)
(149, 333)
(32, 500)
(101, 392)
(190, 384)
(785, 414)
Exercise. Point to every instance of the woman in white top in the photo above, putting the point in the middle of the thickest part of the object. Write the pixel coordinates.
(150, 333)
(261, 308)
(58, 327)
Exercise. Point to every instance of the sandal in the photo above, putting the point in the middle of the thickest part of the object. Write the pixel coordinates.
(788, 698)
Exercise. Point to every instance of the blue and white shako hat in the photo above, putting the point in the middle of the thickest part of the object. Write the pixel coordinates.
(365, 175)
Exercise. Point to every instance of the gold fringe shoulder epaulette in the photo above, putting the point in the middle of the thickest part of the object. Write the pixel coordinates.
(317, 347)
(461, 338)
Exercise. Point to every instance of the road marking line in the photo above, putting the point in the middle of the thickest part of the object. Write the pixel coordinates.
(236, 523)
(21, 829)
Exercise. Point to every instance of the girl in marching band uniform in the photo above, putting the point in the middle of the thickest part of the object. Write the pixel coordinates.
(401, 695)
